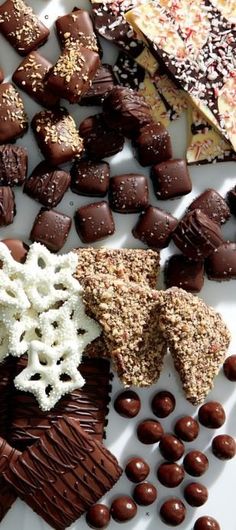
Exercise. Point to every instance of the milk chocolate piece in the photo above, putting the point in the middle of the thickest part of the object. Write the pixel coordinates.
(57, 136)
(94, 222)
(149, 431)
(90, 178)
(102, 83)
(185, 273)
(100, 141)
(195, 463)
(145, 494)
(1, 75)
(231, 199)
(128, 193)
(98, 516)
(76, 28)
(187, 428)
(13, 119)
(18, 249)
(230, 368)
(127, 404)
(47, 184)
(170, 474)
(195, 494)
(213, 205)
(171, 179)
(153, 144)
(206, 523)
(155, 227)
(221, 264)
(7, 372)
(63, 473)
(51, 228)
(7, 205)
(32, 75)
(197, 236)
(126, 110)
(137, 469)
(7, 493)
(173, 512)
(123, 509)
(171, 447)
(212, 415)
(224, 447)
(21, 27)
(13, 165)
(163, 404)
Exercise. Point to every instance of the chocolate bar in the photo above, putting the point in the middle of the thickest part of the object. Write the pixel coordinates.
(13, 119)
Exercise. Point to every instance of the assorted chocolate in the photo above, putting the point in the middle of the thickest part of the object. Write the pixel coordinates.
(7, 206)
(153, 144)
(221, 264)
(51, 228)
(94, 222)
(126, 110)
(13, 119)
(76, 28)
(13, 165)
(212, 204)
(197, 236)
(90, 178)
(184, 273)
(99, 140)
(171, 179)
(155, 227)
(47, 184)
(128, 193)
(102, 84)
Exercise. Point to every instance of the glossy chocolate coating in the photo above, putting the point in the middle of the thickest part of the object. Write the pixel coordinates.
(94, 222)
(51, 228)
(102, 84)
(197, 236)
(206, 523)
(128, 193)
(47, 184)
(13, 119)
(76, 27)
(125, 109)
(171, 179)
(171, 447)
(173, 512)
(123, 509)
(153, 144)
(145, 494)
(18, 249)
(99, 140)
(211, 415)
(98, 516)
(231, 199)
(163, 404)
(229, 368)
(155, 227)
(149, 431)
(195, 494)
(13, 165)
(221, 264)
(127, 404)
(170, 474)
(224, 447)
(212, 204)
(196, 463)
(184, 273)
(187, 428)
(7, 205)
(90, 178)
(137, 469)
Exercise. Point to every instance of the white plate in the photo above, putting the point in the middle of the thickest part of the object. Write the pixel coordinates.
(121, 438)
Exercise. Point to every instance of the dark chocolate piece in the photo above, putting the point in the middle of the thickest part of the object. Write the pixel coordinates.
(31, 76)
(13, 165)
(229, 368)
(155, 227)
(224, 447)
(7, 373)
(123, 509)
(128, 193)
(197, 236)
(94, 222)
(102, 84)
(195, 463)
(171, 179)
(21, 27)
(212, 204)
(63, 473)
(126, 110)
(7, 493)
(221, 264)
(13, 119)
(153, 144)
(57, 136)
(163, 404)
(173, 512)
(231, 199)
(145, 494)
(171, 447)
(170, 474)
(47, 185)
(211, 415)
(127, 404)
(98, 516)
(76, 28)
(51, 228)
(100, 141)
(18, 249)
(206, 523)
(128, 73)
(7, 205)
(187, 428)
(149, 431)
(137, 469)
(90, 178)
(185, 273)
(1, 75)
(195, 494)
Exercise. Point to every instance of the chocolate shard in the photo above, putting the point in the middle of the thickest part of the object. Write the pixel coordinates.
(126, 110)
(13, 165)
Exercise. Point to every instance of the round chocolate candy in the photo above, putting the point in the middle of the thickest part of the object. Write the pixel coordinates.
(230, 368)
(187, 428)
(17, 248)
(206, 523)
(173, 512)
(98, 516)
(163, 403)
(224, 447)
(196, 494)
(170, 474)
(127, 404)
(137, 469)
(149, 431)
(196, 463)
(145, 493)
(171, 447)
(123, 509)
(211, 415)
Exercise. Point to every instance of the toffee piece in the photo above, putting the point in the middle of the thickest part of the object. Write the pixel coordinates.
(51, 228)
(153, 144)
(128, 193)
(155, 227)
(13, 165)
(171, 179)
(102, 83)
(94, 222)
(13, 119)
(7, 206)
(212, 204)
(47, 184)
(90, 178)
(76, 28)
(99, 140)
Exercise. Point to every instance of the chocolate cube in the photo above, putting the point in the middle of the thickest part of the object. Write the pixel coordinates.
(76, 28)
(47, 184)
(94, 222)
(125, 109)
(90, 178)
(171, 179)
(7, 205)
(51, 228)
(102, 84)
(100, 141)
(212, 204)
(13, 119)
(128, 193)
(184, 273)
(153, 144)
(197, 236)
(155, 227)
(13, 165)
(221, 264)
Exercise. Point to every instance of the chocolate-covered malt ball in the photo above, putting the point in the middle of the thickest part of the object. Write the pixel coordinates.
(127, 404)
(137, 469)
(196, 494)
(145, 494)
(206, 523)
(211, 415)
(98, 516)
(170, 474)
(123, 509)
(230, 368)
(196, 463)
(171, 447)
(149, 431)
(163, 403)
(224, 447)
(187, 428)
(173, 512)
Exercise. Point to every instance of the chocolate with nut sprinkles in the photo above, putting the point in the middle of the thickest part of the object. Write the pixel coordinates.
(51, 228)
(128, 193)
(47, 184)
(185, 273)
(212, 204)
(94, 222)
(102, 83)
(100, 141)
(171, 179)
(221, 264)
(21, 27)
(197, 236)
(126, 110)
(13, 165)
(76, 28)
(153, 144)
(155, 227)
(13, 119)
(7, 206)
(90, 178)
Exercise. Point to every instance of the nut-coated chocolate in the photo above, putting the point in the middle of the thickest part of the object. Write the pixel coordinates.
(13, 119)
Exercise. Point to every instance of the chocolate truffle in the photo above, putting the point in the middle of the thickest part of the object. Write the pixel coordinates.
(197, 236)
(17, 248)
(125, 109)
(149, 431)
(155, 227)
(51, 228)
(137, 469)
(184, 273)
(153, 144)
(128, 193)
(213, 205)
(229, 368)
(171, 447)
(102, 83)
(187, 428)
(7, 205)
(221, 264)
(171, 179)
(90, 178)
(211, 415)
(196, 463)
(224, 447)
(76, 28)
(206, 523)
(145, 494)
(123, 509)
(231, 199)
(13, 165)
(98, 516)
(170, 474)
(100, 141)
(47, 184)
(195, 494)
(13, 119)
(173, 512)
(127, 404)
(94, 222)
(163, 403)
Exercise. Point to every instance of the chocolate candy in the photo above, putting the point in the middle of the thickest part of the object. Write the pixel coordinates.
(155, 227)
(197, 236)
(13, 119)
(153, 144)
(206, 523)
(171, 447)
(221, 264)
(187, 428)
(231, 199)
(21, 27)
(7, 494)
(149, 431)
(137, 469)
(1, 75)
(173, 512)
(195, 494)
(57, 136)
(94, 222)
(213, 205)
(17, 248)
(224, 447)
(211, 415)
(123, 509)
(171, 179)
(185, 273)
(196, 463)
(126, 110)
(31, 76)
(76, 28)
(47, 184)
(13, 165)
(229, 368)
(100, 141)
(145, 494)
(170, 474)
(51, 228)
(7, 205)
(163, 403)
(127, 404)
(98, 516)
(128, 193)
(102, 84)
(90, 178)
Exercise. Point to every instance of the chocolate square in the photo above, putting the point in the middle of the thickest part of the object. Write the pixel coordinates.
(153, 144)
(212, 204)
(94, 222)
(125, 109)
(197, 236)
(171, 179)
(76, 28)
(102, 84)
(21, 27)
(128, 193)
(155, 227)
(100, 141)
(51, 228)
(31, 76)
(13, 119)
(13, 165)
(184, 273)
(47, 184)
(221, 264)
(90, 178)
(231, 200)
(7, 205)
